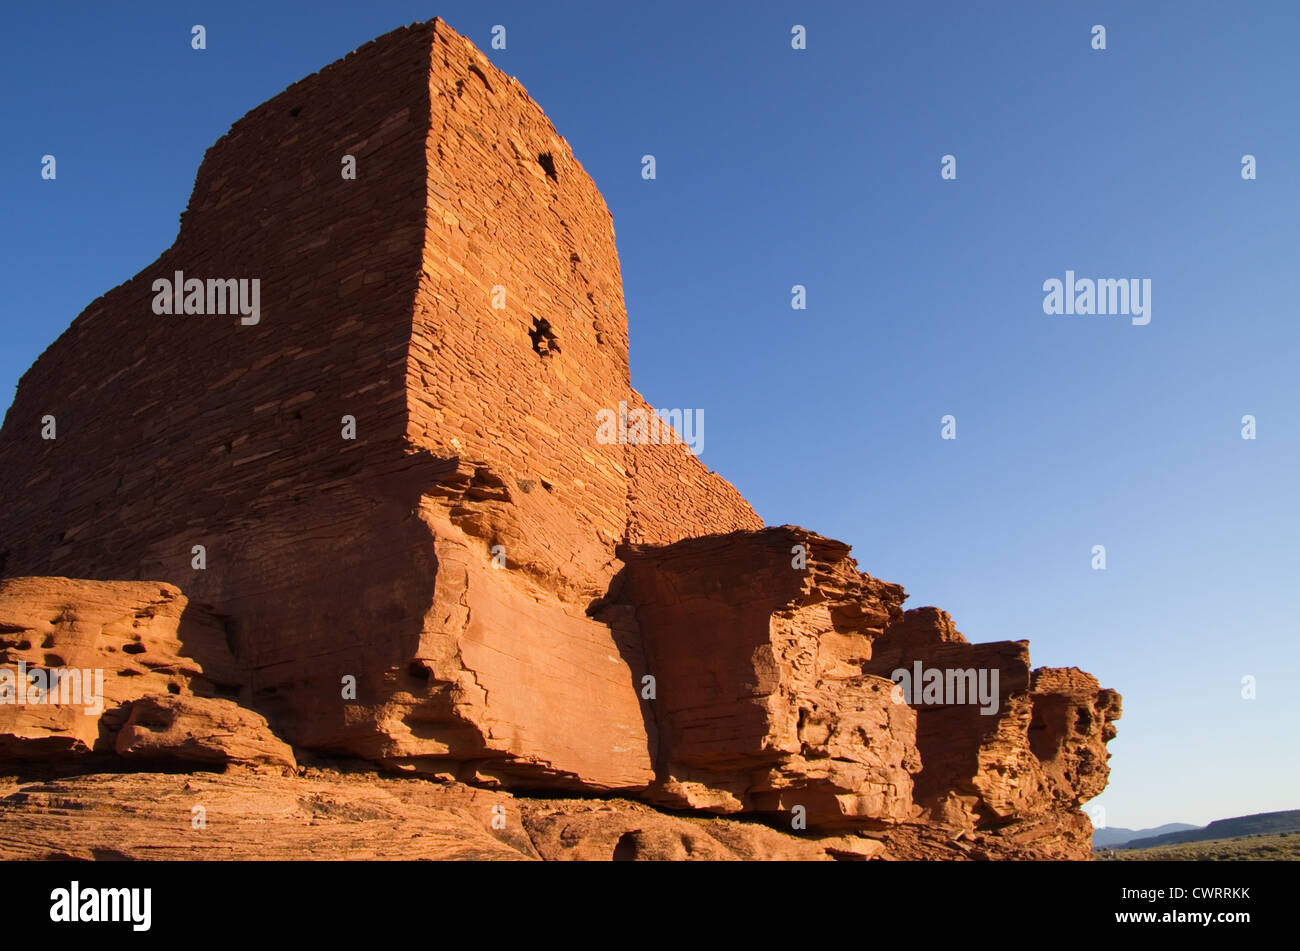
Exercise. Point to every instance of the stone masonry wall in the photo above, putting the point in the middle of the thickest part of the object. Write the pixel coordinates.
(475, 426)
(674, 496)
(517, 387)
(490, 582)
(184, 430)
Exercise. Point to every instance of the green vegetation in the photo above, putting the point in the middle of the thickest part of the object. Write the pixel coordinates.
(1279, 847)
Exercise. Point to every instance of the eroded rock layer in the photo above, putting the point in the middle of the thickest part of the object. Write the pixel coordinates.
(122, 669)
(402, 535)
(757, 642)
(268, 813)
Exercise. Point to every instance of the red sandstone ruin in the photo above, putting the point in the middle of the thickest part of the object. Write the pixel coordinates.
(499, 583)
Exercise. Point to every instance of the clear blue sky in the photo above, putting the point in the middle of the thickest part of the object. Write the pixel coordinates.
(821, 168)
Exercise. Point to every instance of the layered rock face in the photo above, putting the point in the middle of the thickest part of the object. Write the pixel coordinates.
(401, 537)
(130, 669)
(762, 702)
(987, 767)
(370, 557)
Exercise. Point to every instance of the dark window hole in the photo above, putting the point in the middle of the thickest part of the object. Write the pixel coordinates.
(544, 339)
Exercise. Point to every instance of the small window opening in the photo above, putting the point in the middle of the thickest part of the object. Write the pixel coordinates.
(544, 339)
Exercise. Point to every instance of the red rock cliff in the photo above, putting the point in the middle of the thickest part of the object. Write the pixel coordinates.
(518, 602)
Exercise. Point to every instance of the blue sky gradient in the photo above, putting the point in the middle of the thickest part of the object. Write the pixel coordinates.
(821, 167)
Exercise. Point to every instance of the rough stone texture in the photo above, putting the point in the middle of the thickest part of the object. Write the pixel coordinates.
(768, 712)
(253, 814)
(277, 814)
(371, 557)
(167, 676)
(199, 731)
(762, 703)
(1043, 750)
(1073, 720)
(617, 830)
(475, 588)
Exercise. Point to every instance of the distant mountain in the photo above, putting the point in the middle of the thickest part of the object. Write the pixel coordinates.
(1113, 838)
(1263, 823)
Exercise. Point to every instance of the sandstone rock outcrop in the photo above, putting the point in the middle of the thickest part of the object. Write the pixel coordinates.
(265, 813)
(370, 557)
(253, 814)
(987, 769)
(195, 730)
(402, 538)
(762, 701)
(139, 672)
